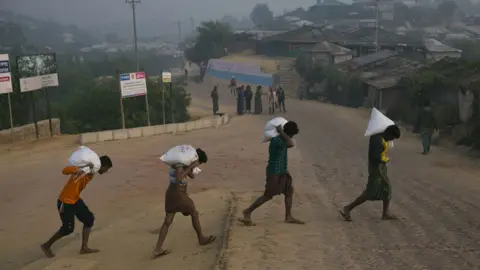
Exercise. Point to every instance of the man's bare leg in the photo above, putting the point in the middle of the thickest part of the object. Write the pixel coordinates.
(288, 211)
(347, 209)
(159, 251)
(85, 237)
(247, 213)
(386, 215)
(202, 240)
(47, 246)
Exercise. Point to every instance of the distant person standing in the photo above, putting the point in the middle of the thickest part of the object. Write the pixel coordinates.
(427, 125)
(214, 96)
(248, 99)
(271, 101)
(258, 100)
(233, 86)
(240, 100)
(281, 99)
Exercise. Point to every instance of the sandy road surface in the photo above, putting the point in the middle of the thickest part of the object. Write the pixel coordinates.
(31, 180)
(436, 198)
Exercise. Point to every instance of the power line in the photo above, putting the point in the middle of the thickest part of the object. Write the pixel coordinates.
(134, 4)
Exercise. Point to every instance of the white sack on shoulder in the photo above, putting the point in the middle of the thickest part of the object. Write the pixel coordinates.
(84, 156)
(180, 154)
(270, 130)
(378, 123)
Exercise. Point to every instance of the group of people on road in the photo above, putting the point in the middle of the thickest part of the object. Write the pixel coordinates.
(278, 179)
(70, 205)
(245, 96)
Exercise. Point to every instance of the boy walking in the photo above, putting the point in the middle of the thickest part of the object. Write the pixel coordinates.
(70, 205)
(279, 180)
(178, 201)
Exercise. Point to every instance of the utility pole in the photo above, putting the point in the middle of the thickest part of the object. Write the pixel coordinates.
(179, 24)
(134, 6)
(377, 47)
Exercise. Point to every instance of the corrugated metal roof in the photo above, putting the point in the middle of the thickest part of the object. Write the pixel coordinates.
(358, 62)
(434, 45)
(384, 82)
(330, 48)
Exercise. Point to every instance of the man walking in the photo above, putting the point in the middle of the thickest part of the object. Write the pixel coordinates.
(71, 206)
(426, 124)
(233, 86)
(281, 99)
(214, 96)
(278, 180)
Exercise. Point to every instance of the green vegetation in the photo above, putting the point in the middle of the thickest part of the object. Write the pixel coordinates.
(84, 102)
(337, 87)
(441, 83)
(26, 31)
(261, 15)
(212, 41)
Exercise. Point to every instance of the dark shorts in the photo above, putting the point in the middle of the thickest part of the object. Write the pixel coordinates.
(277, 184)
(177, 201)
(68, 212)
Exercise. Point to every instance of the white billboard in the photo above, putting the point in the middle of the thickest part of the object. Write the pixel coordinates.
(166, 77)
(5, 75)
(133, 84)
(37, 71)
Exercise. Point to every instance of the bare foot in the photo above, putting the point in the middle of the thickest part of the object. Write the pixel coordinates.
(160, 253)
(48, 252)
(346, 215)
(247, 219)
(208, 240)
(389, 217)
(292, 220)
(86, 250)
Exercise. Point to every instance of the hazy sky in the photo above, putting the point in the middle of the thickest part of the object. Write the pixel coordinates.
(87, 12)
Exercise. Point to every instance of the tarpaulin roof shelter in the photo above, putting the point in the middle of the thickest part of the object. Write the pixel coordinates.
(244, 73)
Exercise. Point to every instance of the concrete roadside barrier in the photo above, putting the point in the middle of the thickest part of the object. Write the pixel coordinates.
(138, 132)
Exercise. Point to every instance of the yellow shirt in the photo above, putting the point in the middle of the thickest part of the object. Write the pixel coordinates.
(383, 155)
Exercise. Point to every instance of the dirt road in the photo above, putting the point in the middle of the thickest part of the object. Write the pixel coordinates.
(434, 196)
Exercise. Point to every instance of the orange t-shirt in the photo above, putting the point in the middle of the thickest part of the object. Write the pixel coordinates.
(75, 185)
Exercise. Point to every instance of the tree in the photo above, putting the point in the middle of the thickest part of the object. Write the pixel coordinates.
(213, 40)
(12, 35)
(230, 20)
(261, 14)
(470, 49)
(112, 38)
(446, 10)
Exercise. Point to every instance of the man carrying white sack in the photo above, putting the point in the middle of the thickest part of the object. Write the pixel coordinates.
(69, 203)
(378, 186)
(278, 179)
(178, 201)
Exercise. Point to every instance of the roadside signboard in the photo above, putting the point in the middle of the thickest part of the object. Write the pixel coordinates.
(133, 84)
(166, 77)
(37, 71)
(5, 75)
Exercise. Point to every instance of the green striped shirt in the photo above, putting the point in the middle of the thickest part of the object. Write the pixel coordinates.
(277, 156)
